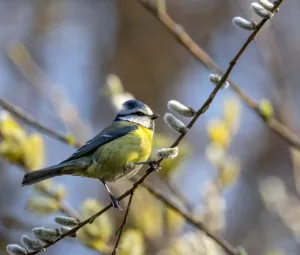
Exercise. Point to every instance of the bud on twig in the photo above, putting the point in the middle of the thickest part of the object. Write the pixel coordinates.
(215, 79)
(31, 245)
(261, 11)
(167, 153)
(175, 123)
(244, 23)
(46, 234)
(266, 4)
(65, 230)
(66, 221)
(15, 249)
(181, 109)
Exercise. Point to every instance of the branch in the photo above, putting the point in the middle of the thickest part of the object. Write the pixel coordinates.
(189, 217)
(22, 115)
(185, 40)
(124, 222)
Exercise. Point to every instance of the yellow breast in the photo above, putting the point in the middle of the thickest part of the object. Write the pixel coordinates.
(112, 158)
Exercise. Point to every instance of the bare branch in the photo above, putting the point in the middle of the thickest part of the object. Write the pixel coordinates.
(25, 117)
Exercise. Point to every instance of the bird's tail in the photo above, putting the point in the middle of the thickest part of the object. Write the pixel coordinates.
(47, 173)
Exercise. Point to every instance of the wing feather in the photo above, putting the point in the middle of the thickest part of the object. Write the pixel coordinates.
(107, 135)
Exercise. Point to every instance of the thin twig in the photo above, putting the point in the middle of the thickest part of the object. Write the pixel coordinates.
(124, 222)
(25, 117)
(188, 217)
(185, 40)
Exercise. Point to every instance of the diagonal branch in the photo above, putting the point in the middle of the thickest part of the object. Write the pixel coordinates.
(22, 115)
(185, 40)
(188, 217)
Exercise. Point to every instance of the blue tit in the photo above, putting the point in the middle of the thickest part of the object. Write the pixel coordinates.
(115, 153)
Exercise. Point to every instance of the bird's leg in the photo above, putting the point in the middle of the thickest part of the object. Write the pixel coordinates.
(153, 164)
(114, 200)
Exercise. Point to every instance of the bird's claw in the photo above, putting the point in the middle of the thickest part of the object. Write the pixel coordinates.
(115, 202)
(154, 165)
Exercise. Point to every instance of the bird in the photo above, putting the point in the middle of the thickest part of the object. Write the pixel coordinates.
(117, 152)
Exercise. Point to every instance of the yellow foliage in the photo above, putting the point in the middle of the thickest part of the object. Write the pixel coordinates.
(18, 147)
(174, 221)
(232, 114)
(34, 152)
(132, 243)
(147, 214)
(266, 109)
(100, 229)
(10, 128)
(228, 172)
(43, 205)
(70, 139)
(11, 150)
(96, 244)
(218, 132)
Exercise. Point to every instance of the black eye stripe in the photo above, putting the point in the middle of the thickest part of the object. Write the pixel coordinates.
(134, 113)
(140, 114)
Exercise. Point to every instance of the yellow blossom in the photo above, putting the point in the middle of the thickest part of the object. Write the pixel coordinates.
(34, 152)
(70, 139)
(43, 205)
(232, 114)
(146, 214)
(132, 243)
(100, 229)
(174, 221)
(266, 109)
(218, 132)
(10, 128)
(228, 172)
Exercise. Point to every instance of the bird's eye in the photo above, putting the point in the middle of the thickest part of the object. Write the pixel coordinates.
(140, 114)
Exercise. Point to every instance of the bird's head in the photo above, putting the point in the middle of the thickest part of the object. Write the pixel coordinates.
(137, 112)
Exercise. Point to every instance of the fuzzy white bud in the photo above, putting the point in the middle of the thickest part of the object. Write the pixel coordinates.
(267, 4)
(65, 230)
(66, 221)
(215, 79)
(244, 23)
(180, 109)
(175, 123)
(261, 11)
(15, 249)
(46, 234)
(167, 153)
(31, 244)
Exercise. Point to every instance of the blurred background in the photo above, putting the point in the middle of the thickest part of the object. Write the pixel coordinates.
(64, 62)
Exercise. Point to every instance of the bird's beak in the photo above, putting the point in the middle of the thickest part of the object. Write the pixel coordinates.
(154, 116)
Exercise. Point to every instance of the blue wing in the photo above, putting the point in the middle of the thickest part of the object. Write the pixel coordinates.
(107, 135)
